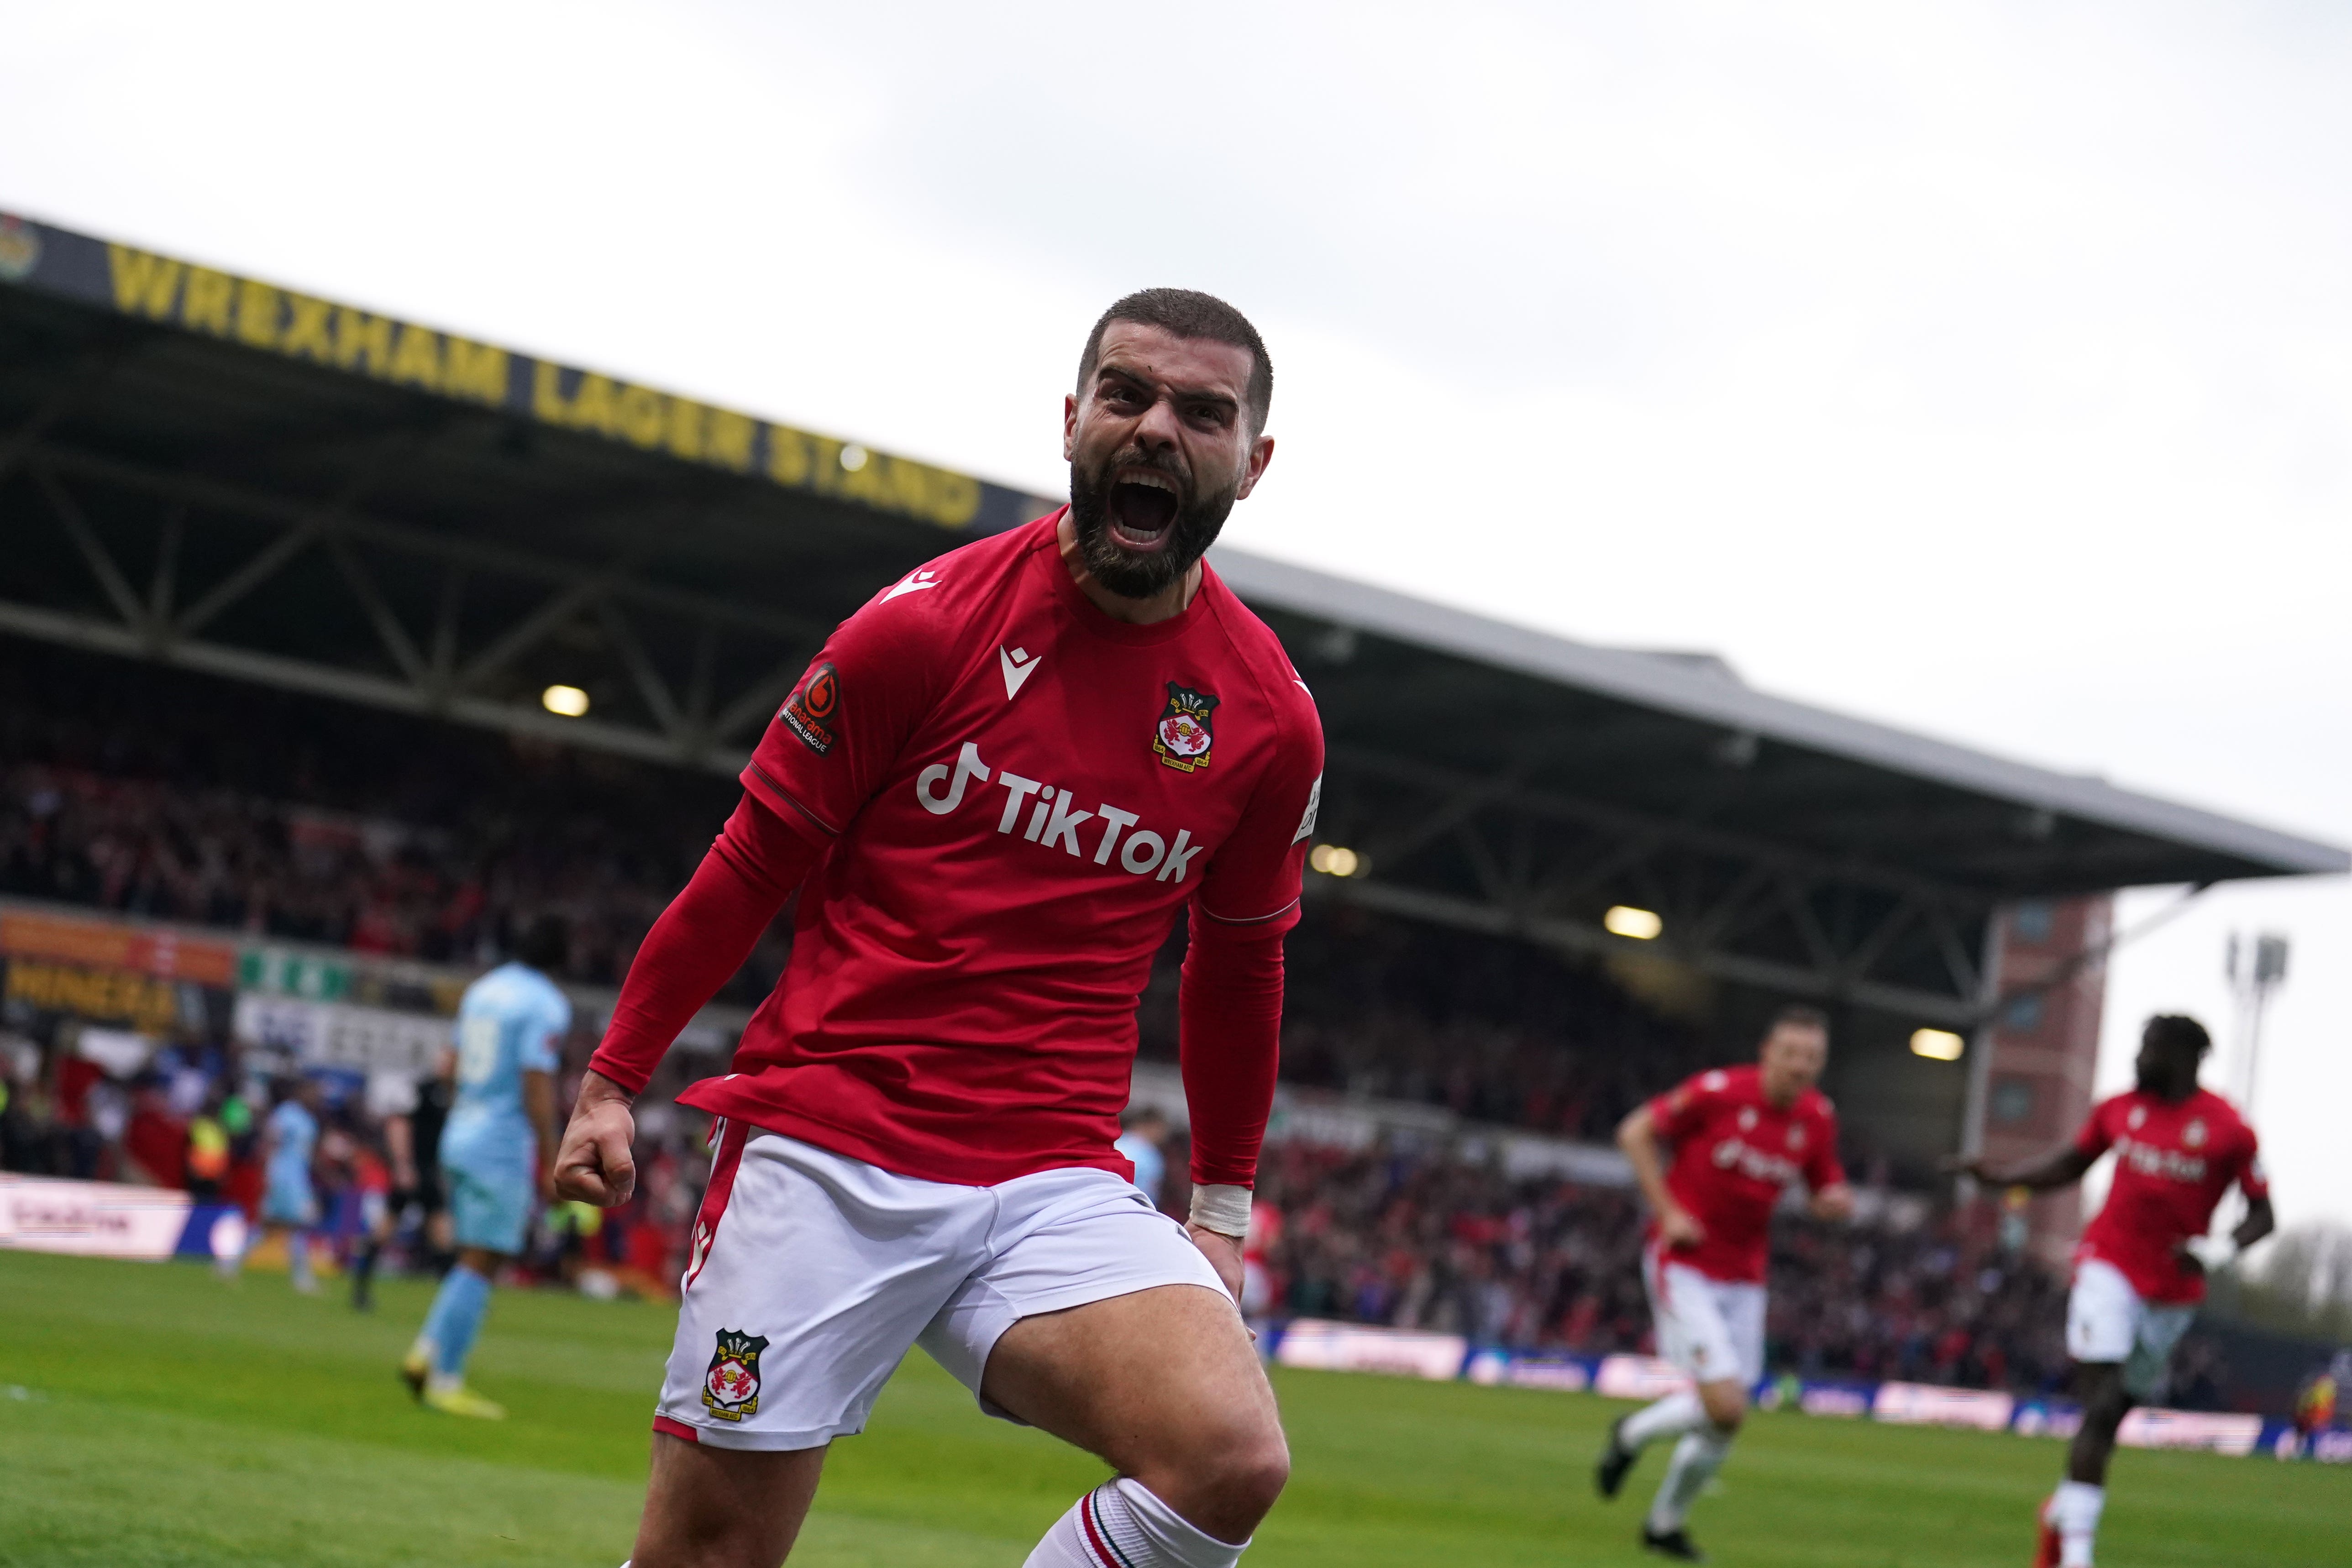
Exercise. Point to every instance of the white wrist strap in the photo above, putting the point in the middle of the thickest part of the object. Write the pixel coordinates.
(1224, 1209)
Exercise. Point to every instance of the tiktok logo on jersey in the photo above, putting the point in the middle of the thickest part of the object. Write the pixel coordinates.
(1754, 1163)
(2169, 1164)
(1054, 821)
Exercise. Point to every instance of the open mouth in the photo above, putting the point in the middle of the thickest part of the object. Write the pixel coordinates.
(1142, 510)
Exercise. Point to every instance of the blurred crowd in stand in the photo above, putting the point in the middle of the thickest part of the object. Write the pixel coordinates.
(174, 796)
(103, 1105)
(1429, 1239)
(179, 798)
(270, 814)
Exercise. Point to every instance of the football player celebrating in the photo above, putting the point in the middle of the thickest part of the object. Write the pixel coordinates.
(994, 789)
(2179, 1147)
(1740, 1136)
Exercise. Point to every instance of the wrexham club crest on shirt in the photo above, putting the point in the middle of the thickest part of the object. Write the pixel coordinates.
(1183, 737)
(730, 1389)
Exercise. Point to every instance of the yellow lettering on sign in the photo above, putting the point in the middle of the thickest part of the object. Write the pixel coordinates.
(362, 342)
(207, 303)
(869, 482)
(687, 424)
(110, 996)
(824, 471)
(591, 405)
(547, 393)
(306, 329)
(909, 487)
(729, 439)
(475, 371)
(417, 359)
(256, 313)
(146, 284)
(642, 416)
(955, 498)
(788, 457)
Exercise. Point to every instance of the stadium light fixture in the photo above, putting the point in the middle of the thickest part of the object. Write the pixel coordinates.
(570, 702)
(1640, 925)
(853, 457)
(1333, 860)
(1937, 1044)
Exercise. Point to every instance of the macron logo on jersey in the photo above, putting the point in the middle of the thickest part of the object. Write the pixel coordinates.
(1055, 822)
(1019, 665)
(913, 584)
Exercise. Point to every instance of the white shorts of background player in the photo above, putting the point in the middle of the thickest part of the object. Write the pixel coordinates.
(1712, 1329)
(2107, 1321)
(840, 1266)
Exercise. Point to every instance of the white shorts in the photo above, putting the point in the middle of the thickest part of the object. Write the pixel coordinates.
(1712, 1329)
(2107, 1321)
(811, 1273)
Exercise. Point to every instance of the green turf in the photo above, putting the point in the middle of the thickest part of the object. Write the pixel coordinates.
(150, 1414)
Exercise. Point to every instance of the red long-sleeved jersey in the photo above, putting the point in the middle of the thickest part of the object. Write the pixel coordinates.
(999, 798)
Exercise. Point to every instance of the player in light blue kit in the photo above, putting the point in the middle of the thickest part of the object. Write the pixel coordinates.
(509, 1026)
(290, 1202)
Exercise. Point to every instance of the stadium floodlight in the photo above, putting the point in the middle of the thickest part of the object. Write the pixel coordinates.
(1640, 925)
(1333, 860)
(853, 457)
(570, 701)
(1937, 1044)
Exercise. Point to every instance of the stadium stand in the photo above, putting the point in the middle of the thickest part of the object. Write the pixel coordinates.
(287, 579)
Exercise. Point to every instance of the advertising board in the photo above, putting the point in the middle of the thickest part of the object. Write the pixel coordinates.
(1324, 1346)
(1927, 1405)
(104, 1219)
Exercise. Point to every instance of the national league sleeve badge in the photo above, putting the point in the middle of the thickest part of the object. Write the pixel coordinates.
(730, 1389)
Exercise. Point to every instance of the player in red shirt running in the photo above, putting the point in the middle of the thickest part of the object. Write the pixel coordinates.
(995, 788)
(2177, 1149)
(1740, 1135)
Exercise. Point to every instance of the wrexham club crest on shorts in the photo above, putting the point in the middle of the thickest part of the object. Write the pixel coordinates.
(730, 1389)
(1183, 737)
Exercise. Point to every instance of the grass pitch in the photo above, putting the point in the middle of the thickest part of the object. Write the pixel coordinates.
(150, 1414)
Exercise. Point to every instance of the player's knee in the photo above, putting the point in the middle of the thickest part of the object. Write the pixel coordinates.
(1251, 1479)
(1226, 1487)
(1726, 1405)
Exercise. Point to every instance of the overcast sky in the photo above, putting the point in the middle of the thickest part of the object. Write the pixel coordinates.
(1983, 369)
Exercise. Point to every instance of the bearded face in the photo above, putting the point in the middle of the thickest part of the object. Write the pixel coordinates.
(1141, 521)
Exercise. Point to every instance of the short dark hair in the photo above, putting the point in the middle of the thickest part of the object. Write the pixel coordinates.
(1189, 313)
(546, 943)
(1798, 1015)
(2177, 1031)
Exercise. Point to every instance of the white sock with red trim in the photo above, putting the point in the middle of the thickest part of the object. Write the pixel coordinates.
(1696, 1458)
(2075, 1508)
(1121, 1524)
(1668, 1417)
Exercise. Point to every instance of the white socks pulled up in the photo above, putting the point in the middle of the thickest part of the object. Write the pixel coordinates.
(1698, 1457)
(2074, 1510)
(1121, 1524)
(1668, 1417)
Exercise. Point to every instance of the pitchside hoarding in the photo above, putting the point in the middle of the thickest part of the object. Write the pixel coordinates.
(105, 1219)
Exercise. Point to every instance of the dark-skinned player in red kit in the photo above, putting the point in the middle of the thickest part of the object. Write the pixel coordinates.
(2178, 1148)
(996, 786)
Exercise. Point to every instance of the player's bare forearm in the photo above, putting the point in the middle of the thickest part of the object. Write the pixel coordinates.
(2259, 1221)
(2063, 1168)
(592, 1164)
(1639, 1140)
(1834, 1202)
